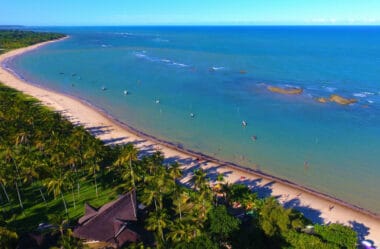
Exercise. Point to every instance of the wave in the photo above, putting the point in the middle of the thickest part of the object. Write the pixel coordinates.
(359, 95)
(124, 34)
(363, 94)
(144, 55)
(292, 86)
(329, 89)
(179, 64)
(217, 68)
(160, 40)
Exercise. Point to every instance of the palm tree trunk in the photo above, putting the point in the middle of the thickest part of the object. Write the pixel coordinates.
(78, 189)
(160, 230)
(155, 204)
(64, 202)
(132, 176)
(5, 191)
(18, 195)
(96, 185)
(179, 209)
(42, 195)
(78, 184)
(72, 193)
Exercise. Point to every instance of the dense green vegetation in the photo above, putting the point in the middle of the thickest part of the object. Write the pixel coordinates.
(11, 39)
(49, 168)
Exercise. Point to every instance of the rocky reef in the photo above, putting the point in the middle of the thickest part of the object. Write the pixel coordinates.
(322, 100)
(341, 100)
(336, 99)
(287, 90)
(296, 91)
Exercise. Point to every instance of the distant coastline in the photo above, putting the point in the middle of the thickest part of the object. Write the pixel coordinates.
(342, 212)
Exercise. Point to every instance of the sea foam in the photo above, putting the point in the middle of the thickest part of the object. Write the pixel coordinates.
(143, 55)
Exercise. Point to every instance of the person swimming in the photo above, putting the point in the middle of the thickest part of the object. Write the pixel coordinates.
(254, 138)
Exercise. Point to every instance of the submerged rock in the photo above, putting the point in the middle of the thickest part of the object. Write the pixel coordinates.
(285, 90)
(341, 100)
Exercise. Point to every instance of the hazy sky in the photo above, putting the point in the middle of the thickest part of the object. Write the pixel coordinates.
(156, 12)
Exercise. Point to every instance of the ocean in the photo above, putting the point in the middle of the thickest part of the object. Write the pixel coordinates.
(194, 86)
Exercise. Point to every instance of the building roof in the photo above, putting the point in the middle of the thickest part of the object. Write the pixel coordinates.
(111, 223)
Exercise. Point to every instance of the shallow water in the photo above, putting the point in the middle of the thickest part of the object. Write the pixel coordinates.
(220, 74)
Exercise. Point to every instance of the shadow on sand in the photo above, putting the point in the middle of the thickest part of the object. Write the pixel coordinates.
(312, 214)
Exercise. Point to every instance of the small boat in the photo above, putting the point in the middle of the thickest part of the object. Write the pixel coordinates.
(192, 115)
(366, 244)
(244, 123)
(126, 92)
(104, 88)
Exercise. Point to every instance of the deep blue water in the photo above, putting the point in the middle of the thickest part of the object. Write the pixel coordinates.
(199, 70)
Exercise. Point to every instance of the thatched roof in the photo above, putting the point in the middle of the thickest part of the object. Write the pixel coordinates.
(111, 223)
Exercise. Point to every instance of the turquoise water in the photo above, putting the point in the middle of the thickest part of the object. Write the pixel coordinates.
(198, 70)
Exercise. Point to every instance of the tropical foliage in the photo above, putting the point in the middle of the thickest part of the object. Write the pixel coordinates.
(10, 39)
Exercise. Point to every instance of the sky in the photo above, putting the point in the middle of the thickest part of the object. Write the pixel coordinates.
(189, 12)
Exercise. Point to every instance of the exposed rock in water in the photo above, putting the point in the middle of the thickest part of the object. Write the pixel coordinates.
(322, 100)
(285, 90)
(342, 101)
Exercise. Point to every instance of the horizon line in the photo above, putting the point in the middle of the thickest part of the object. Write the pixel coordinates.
(195, 25)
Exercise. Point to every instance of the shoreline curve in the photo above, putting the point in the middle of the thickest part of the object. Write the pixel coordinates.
(72, 107)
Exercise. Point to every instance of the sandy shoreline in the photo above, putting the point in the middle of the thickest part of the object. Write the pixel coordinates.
(316, 206)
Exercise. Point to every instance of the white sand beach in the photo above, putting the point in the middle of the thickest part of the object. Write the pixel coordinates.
(315, 206)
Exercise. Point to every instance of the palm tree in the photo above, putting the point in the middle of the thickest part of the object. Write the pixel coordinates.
(202, 204)
(92, 161)
(56, 185)
(153, 162)
(93, 168)
(157, 221)
(128, 154)
(76, 157)
(220, 178)
(4, 179)
(183, 231)
(175, 171)
(199, 179)
(30, 169)
(156, 187)
(182, 203)
(10, 155)
(70, 182)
